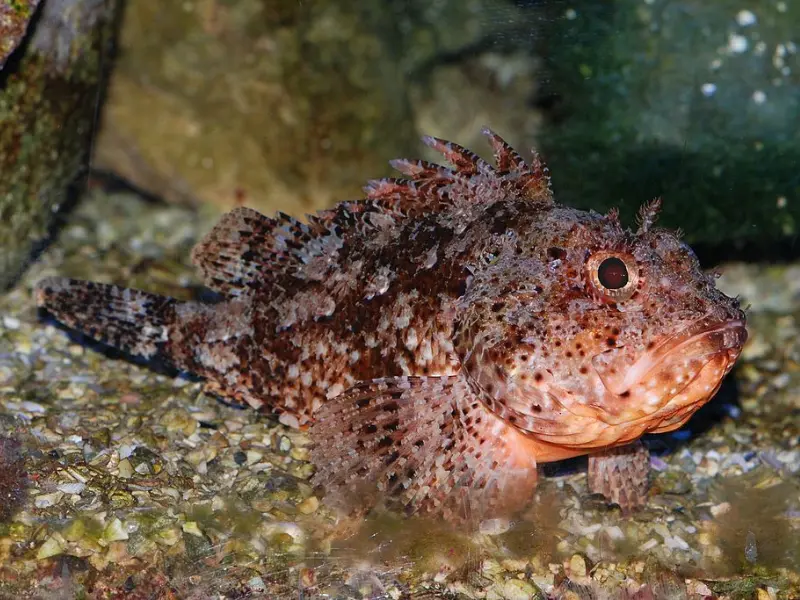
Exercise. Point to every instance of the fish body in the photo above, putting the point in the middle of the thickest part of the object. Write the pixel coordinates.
(444, 335)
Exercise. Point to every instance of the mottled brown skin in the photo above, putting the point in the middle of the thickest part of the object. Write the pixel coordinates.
(444, 335)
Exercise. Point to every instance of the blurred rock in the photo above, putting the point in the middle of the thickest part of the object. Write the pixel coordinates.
(48, 100)
(14, 19)
(282, 106)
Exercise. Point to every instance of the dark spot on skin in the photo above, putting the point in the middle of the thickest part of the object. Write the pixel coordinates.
(568, 354)
(498, 306)
(583, 370)
(556, 253)
(538, 377)
(523, 357)
(371, 428)
(611, 342)
(625, 394)
(536, 408)
(615, 331)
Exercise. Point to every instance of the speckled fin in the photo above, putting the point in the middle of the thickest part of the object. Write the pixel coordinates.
(131, 320)
(423, 442)
(429, 186)
(245, 249)
(621, 475)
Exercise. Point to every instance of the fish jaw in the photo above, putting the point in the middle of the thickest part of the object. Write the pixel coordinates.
(676, 376)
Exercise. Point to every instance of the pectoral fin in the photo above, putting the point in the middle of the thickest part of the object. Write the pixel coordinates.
(425, 443)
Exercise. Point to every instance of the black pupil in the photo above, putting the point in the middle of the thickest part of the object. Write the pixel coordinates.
(612, 273)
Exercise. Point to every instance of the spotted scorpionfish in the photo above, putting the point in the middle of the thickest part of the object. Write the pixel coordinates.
(445, 335)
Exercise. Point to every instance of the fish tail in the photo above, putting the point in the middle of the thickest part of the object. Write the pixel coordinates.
(131, 320)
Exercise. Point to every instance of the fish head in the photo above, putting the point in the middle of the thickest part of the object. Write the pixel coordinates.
(585, 335)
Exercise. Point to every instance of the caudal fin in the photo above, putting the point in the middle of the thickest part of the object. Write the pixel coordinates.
(131, 320)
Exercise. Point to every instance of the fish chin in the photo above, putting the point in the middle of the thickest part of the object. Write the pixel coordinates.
(672, 380)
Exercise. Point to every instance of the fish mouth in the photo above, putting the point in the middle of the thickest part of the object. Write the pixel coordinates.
(659, 391)
(700, 342)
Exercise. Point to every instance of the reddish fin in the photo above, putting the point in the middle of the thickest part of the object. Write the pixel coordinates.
(466, 162)
(423, 442)
(245, 248)
(131, 320)
(621, 475)
(533, 180)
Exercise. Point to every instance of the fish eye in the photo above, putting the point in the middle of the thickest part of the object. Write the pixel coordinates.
(613, 275)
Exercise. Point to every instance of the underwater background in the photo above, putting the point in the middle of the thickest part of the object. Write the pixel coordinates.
(127, 128)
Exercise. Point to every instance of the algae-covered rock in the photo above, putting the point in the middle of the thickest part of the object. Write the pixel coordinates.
(278, 105)
(14, 19)
(48, 102)
(695, 101)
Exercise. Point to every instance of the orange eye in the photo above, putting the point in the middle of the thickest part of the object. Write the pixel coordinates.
(613, 275)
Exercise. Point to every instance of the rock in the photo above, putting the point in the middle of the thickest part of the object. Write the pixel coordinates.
(292, 106)
(15, 16)
(48, 98)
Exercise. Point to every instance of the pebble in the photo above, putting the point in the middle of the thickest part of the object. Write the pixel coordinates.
(52, 547)
(494, 526)
(192, 528)
(125, 469)
(256, 584)
(577, 566)
(46, 500)
(114, 531)
(71, 488)
(720, 509)
(512, 589)
(309, 505)
(11, 322)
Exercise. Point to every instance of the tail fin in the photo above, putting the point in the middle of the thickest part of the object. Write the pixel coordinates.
(131, 320)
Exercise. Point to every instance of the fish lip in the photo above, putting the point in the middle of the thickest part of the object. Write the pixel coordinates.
(734, 335)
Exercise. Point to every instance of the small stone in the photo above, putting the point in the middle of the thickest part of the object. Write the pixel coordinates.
(256, 584)
(71, 488)
(51, 547)
(125, 469)
(494, 526)
(114, 531)
(285, 444)
(239, 457)
(512, 589)
(309, 505)
(192, 528)
(168, 537)
(720, 509)
(11, 322)
(47, 500)
(253, 457)
(577, 566)
(179, 420)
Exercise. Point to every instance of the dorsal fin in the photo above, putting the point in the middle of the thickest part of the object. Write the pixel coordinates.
(244, 246)
(428, 186)
(246, 249)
